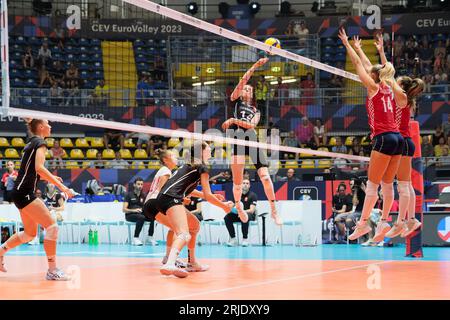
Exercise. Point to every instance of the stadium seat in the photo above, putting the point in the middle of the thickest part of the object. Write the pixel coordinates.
(91, 153)
(66, 143)
(17, 142)
(365, 141)
(325, 149)
(50, 142)
(138, 165)
(76, 154)
(48, 155)
(81, 143)
(308, 164)
(4, 142)
(324, 164)
(306, 155)
(349, 141)
(125, 154)
(291, 164)
(128, 143)
(332, 141)
(17, 165)
(108, 154)
(140, 154)
(173, 142)
(154, 164)
(11, 153)
(97, 143)
(187, 143)
(86, 164)
(72, 165)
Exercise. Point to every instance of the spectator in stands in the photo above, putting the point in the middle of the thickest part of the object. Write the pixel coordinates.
(119, 163)
(261, 92)
(60, 37)
(28, 59)
(440, 50)
(427, 147)
(426, 56)
(342, 206)
(439, 64)
(290, 141)
(308, 85)
(225, 177)
(438, 149)
(340, 163)
(98, 163)
(44, 55)
(56, 94)
(38, 194)
(101, 94)
(156, 142)
(444, 160)
(143, 138)
(428, 79)
(358, 188)
(339, 147)
(446, 126)
(142, 91)
(72, 74)
(290, 176)
(203, 94)
(443, 80)
(363, 165)
(304, 132)
(320, 134)
(44, 77)
(437, 135)
(399, 50)
(73, 92)
(248, 200)
(57, 72)
(160, 69)
(410, 54)
(194, 206)
(132, 207)
(281, 91)
(114, 136)
(302, 32)
(56, 155)
(356, 147)
(8, 179)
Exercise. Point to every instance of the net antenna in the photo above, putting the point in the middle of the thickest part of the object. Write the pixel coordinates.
(5, 58)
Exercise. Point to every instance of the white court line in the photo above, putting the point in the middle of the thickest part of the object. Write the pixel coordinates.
(309, 275)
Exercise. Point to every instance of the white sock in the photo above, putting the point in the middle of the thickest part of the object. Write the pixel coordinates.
(412, 202)
(388, 198)
(404, 196)
(173, 255)
(370, 200)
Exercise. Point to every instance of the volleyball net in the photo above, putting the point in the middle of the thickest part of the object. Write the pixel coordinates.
(145, 62)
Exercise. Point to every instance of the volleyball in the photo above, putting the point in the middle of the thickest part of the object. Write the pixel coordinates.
(273, 42)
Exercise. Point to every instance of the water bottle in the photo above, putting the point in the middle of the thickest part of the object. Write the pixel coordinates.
(95, 237)
(91, 237)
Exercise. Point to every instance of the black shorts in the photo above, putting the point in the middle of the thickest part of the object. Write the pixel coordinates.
(409, 148)
(257, 156)
(389, 143)
(22, 199)
(165, 202)
(150, 210)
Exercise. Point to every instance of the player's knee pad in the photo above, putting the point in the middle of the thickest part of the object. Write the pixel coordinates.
(371, 189)
(184, 236)
(24, 237)
(412, 192)
(403, 188)
(51, 233)
(387, 188)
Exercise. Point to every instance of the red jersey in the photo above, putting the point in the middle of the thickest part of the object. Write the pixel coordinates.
(380, 111)
(402, 117)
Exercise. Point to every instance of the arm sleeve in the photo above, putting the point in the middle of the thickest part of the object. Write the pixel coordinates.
(40, 142)
(203, 169)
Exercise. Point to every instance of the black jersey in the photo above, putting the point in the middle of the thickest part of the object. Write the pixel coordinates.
(244, 112)
(28, 178)
(183, 181)
(53, 201)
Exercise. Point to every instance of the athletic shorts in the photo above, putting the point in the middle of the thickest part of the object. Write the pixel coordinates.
(408, 147)
(389, 143)
(22, 199)
(150, 210)
(258, 156)
(165, 202)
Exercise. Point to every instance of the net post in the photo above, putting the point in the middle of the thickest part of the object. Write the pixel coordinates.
(414, 241)
(5, 58)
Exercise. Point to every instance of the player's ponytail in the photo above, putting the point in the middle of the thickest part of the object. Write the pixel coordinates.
(32, 124)
(387, 73)
(413, 88)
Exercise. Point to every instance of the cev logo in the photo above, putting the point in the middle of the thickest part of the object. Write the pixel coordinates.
(443, 229)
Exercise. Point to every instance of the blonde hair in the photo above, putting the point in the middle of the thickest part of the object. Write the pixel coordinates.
(385, 73)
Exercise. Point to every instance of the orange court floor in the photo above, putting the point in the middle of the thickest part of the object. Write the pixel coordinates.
(279, 272)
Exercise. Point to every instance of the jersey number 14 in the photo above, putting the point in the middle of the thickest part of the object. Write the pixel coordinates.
(387, 104)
